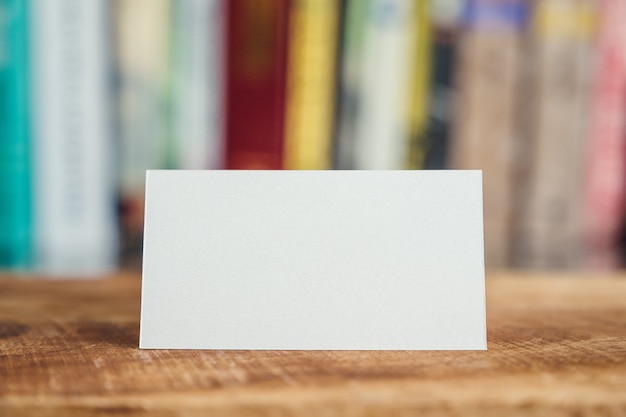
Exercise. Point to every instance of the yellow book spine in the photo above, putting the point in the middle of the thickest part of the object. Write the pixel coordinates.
(311, 83)
(418, 107)
(565, 19)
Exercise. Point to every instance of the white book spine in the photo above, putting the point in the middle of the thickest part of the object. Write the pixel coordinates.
(143, 71)
(197, 73)
(389, 47)
(74, 192)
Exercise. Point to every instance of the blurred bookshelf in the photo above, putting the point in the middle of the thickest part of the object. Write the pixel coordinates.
(94, 92)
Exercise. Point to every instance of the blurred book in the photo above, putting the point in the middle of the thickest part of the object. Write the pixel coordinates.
(383, 77)
(445, 21)
(382, 126)
(256, 61)
(15, 140)
(549, 229)
(605, 179)
(313, 30)
(143, 75)
(197, 77)
(74, 195)
(417, 111)
(143, 99)
(349, 96)
(484, 132)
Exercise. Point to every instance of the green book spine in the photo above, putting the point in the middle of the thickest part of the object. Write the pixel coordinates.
(15, 189)
(349, 97)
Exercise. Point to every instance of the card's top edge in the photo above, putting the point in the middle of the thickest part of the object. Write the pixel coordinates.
(329, 171)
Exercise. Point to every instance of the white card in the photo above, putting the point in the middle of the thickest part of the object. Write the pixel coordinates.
(313, 260)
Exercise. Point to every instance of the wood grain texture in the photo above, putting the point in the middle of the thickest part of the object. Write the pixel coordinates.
(557, 347)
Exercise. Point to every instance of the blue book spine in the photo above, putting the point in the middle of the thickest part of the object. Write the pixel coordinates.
(15, 167)
(496, 14)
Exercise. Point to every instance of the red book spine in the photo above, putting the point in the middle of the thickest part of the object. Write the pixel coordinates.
(256, 59)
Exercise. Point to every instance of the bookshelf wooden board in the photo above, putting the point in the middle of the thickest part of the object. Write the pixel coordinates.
(557, 346)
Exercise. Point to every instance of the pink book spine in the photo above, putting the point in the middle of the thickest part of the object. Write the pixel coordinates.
(605, 184)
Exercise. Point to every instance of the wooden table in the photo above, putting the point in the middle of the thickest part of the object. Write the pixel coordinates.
(557, 347)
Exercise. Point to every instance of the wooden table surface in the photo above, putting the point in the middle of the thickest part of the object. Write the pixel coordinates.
(557, 347)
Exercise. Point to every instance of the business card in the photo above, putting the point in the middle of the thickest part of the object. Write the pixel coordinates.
(313, 260)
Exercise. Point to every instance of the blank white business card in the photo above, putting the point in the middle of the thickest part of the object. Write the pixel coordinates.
(340, 260)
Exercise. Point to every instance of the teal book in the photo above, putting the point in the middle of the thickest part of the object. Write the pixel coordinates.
(15, 189)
